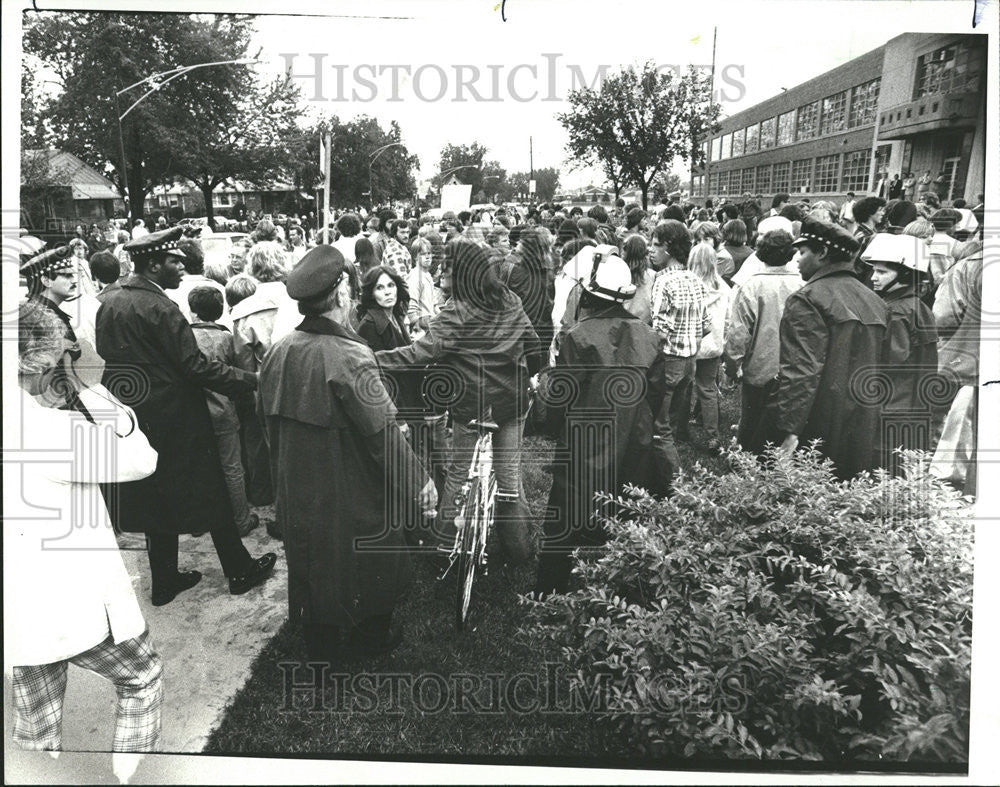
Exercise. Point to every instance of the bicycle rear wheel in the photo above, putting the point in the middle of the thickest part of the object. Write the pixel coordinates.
(468, 555)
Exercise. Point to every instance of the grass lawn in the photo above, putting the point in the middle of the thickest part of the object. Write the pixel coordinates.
(499, 697)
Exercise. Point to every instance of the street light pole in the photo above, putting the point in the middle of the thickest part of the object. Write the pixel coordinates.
(378, 152)
(170, 75)
(126, 192)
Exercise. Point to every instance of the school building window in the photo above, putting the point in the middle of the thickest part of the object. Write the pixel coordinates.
(834, 114)
(764, 178)
(808, 121)
(747, 182)
(856, 170)
(727, 146)
(716, 148)
(724, 182)
(786, 128)
(864, 102)
(826, 173)
(779, 179)
(738, 141)
(801, 175)
(753, 139)
(951, 69)
(713, 182)
(768, 133)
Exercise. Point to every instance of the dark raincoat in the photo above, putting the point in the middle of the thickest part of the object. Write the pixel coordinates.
(833, 338)
(338, 460)
(153, 364)
(600, 402)
(912, 374)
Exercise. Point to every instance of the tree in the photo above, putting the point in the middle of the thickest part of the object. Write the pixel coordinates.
(638, 122)
(211, 152)
(592, 139)
(201, 122)
(391, 175)
(469, 158)
(546, 184)
(665, 184)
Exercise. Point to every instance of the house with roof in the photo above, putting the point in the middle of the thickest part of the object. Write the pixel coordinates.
(59, 189)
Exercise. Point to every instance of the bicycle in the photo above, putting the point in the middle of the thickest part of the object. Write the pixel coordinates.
(477, 503)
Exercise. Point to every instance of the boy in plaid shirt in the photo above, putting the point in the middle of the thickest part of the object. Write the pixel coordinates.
(681, 318)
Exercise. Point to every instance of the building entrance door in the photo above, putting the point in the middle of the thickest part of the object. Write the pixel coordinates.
(950, 169)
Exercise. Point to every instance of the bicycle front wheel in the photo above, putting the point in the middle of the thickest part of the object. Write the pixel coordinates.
(468, 555)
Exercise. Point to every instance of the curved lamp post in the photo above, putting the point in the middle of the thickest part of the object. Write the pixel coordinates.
(157, 81)
(378, 152)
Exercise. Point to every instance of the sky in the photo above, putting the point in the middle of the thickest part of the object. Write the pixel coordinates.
(394, 67)
(407, 60)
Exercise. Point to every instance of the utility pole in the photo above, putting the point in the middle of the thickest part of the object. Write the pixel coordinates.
(531, 156)
(126, 195)
(711, 100)
(326, 187)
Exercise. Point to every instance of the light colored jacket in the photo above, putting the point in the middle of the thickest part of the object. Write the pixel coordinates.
(752, 326)
(254, 319)
(718, 307)
(65, 585)
(958, 309)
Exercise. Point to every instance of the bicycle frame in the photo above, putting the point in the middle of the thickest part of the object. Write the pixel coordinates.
(477, 500)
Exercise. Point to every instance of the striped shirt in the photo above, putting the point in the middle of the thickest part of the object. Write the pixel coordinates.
(680, 313)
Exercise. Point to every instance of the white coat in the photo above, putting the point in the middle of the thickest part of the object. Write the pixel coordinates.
(65, 584)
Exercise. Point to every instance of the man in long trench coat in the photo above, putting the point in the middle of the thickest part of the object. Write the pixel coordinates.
(833, 337)
(339, 461)
(153, 364)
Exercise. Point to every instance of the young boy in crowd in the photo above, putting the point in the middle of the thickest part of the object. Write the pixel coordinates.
(215, 341)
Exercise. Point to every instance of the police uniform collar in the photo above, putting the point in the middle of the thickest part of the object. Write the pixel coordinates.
(138, 281)
(324, 326)
(833, 268)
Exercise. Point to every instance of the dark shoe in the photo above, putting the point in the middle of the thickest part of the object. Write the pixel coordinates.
(252, 524)
(274, 531)
(185, 580)
(262, 567)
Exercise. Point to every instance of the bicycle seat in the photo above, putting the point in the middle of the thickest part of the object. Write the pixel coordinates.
(484, 423)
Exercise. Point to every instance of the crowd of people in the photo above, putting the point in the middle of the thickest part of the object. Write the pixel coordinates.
(336, 372)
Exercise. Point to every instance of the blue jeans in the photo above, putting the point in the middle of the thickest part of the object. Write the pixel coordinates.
(678, 375)
(513, 517)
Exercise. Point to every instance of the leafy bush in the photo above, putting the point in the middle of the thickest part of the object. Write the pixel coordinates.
(775, 612)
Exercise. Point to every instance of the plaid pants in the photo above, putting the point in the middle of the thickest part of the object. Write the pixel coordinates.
(135, 669)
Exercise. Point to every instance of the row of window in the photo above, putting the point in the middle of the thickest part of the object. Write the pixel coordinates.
(824, 174)
(954, 68)
(842, 111)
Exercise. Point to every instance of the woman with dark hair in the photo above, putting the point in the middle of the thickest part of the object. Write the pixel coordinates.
(530, 277)
(484, 344)
(734, 237)
(635, 252)
(382, 308)
(364, 256)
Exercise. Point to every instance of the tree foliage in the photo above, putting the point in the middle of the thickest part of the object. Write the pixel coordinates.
(469, 157)
(207, 125)
(354, 143)
(637, 122)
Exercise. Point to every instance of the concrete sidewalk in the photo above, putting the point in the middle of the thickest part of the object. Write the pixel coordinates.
(206, 638)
